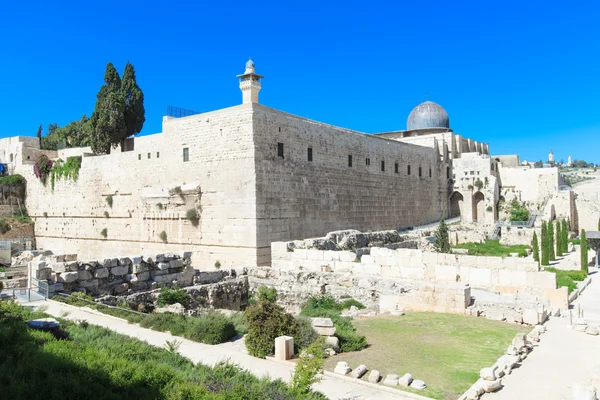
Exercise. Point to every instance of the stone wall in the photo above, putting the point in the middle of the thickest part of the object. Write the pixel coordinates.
(509, 274)
(529, 184)
(513, 235)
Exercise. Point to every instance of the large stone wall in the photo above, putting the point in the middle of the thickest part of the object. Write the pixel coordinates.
(528, 184)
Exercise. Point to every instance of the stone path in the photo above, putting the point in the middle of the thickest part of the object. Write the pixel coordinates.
(333, 388)
(562, 359)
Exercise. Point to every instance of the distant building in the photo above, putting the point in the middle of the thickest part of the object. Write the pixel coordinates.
(569, 161)
(551, 157)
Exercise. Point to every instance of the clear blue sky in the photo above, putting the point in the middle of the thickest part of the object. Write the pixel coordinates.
(522, 76)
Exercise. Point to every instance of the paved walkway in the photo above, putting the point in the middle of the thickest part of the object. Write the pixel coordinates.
(333, 388)
(562, 359)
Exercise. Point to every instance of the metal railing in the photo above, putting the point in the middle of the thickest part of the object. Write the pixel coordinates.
(178, 112)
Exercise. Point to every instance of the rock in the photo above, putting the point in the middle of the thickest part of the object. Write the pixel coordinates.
(418, 384)
(143, 276)
(491, 386)
(120, 288)
(43, 323)
(533, 336)
(397, 313)
(330, 352)
(323, 326)
(391, 380)
(592, 330)
(139, 268)
(519, 340)
(540, 328)
(187, 255)
(333, 342)
(531, 317)
(374, 376)
(84, 275)
(67, 277)
(488, 374)
(119, 271)
(163, 266)
(405, 380)
(473, 394)
(176, 264)
(101, 273)
(125, 261)
(342, 368)
(580, 328)
(359, 371)
(512, 350)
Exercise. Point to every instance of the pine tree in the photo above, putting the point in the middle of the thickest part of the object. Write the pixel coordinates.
(442, 241)
(108, 119)
(545, 259)
(135, 114)
(535, 245)
(584, 252)
(559, 245)
(565, 234)
(551, 254)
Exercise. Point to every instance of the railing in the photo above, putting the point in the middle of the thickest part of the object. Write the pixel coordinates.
(178, 112)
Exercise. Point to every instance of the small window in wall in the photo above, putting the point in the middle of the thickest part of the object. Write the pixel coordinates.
(396, 167)
(139, 156)
(367, 161)
(186, 154)
(28, 157)
(310, 154)
(472, 172)
(383, 165)
(420, 172)
(408, 170)
(158, 154)
(279, 129)
(280, 149)
(148, 156)
(430, 172)
(350, 160)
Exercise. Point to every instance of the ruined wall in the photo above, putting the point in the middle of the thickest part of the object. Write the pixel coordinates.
(532, 184)
(297, 198)
(512, 235)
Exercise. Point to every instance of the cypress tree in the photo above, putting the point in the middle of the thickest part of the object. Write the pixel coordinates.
(442, 241)
(559, 246)
(108, 119)
(545, 244)
(535, 245)
(565, 233)
(598, 220)
(551, 254)
(39, 136)
(135, 114)
(584, 253)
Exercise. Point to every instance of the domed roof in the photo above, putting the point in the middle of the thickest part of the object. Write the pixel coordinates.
(250, 64)
(427, 115)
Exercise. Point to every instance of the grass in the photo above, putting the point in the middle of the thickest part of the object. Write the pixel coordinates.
(96, 362)
(446, 351)
(568, 278)
(493, 248)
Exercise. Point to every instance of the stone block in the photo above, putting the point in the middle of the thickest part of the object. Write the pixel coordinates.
(120, 288)
(137, 260)
(70, 257)
(59, 267)
(119, 271)
(488, 374)
(359, 371)
(101, 273)
(541, 280)
(342, 368)
(84, 275)
(405, 380)
(284, 347)
(67, 277)
(143, 276)
(347, 256)
(374, 376)
(57, 287)
(187, 255)
(490, 386)
(163, 266)
(110, 262)
(418, 384)
(72, 266)
(92, 283)
(531, 317)
(43, 274)
(138, 268)
(559, 298)
(391, 380)
(38, 265)
(333, 342)
(176, 264)
(160, 258)
(323, 326)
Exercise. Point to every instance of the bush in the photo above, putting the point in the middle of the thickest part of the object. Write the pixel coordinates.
(109, 200)
(237, 319)
(266, 321)
(42, 168)
(346, 304)
(45, 214)
(169, 296)
(176, 190)
(4, 226)
(267, 293)
(306, 334)
(217, 264)
(13, 180)
(106, 214)
(518, 212)
(159, 205)
(306, 374)
(209, 328)
(104, 233)
(163, 236)
(192, 216)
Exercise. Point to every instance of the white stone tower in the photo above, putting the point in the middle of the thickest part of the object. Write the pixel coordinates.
(551, 156)
(250, 84)
(569, 161)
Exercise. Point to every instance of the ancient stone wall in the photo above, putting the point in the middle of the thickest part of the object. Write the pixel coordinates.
(529, 184)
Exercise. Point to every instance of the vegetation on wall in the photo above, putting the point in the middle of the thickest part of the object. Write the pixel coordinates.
(163, 236)
(518, 212)
(104, 233)
(169, 296)
(109, 200)
(68, 170)
(13, 180)
(192, 216)
(42, 168)
(4, 226)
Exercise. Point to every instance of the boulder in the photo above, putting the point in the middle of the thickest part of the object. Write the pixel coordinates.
(101, 273)
(533, 336)
(512, 350)
(490, 386)
(163, 266)
(519, 340)
(84, 275)
(342, 368)
(374, 376)
(391, 380)
(418, 384)
(176, 264)
(323, 326)
(592, 330)
(333, 342)
(119, 271)
(405, 380)
(540, 328)
(359, 371)
(488, 374)
(67, 277)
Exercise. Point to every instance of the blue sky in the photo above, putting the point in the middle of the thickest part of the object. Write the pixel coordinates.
(521, 76)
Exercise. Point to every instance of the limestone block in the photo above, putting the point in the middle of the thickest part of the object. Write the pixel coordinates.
(125, 261)
(72, 266)
(175, 264)
(101, 273)
(330, 255)
(446, 273)
(491, 386)
(92, 283)
(70, 257)
(541, 280)
(284, 347)
(59, 267)
(533, 336)
(359, 371)
(412, 273)
(159, 258)
(480, 277)
(531, 317)
(67, 277)
(592, 330)
(43, 274)
(137, 260)
(342, 368)
(405, 380)
(374, 376)
(129, 278)
(323, 326)
(119, 271)
(37, 265)
(391, 380)
(540, 328)
(333, 342)
(187, 255)
(121, 288)
(139, 268)
(163, 266)
(512, 350)
(418, 384)
(488, 374)
(84, 275)
(495, 315)
(559, 298)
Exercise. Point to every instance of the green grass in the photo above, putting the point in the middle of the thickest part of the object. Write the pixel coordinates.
(493, 248)
(575, 241)
(446, 351)
(95, 362)
(568, 278)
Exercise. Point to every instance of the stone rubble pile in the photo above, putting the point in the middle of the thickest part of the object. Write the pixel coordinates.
(392, 380)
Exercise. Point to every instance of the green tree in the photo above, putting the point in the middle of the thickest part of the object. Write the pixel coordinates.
(39, 136)
(584, 252)
(551, 254)
(517, 211)
(599, 224)
(76, 134)
(565, 233)
(559, 246)
(442, 241)
(108, 119)
(536, 249)
(51, 140)
(545, 250)
(135, 114)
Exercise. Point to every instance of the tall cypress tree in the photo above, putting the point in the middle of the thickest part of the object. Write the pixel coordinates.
(545, 258)
(135, 114)
(535, 245)
(442, 241)
(565, 233)
(108, 119)
(551, 254)
(559, 246)
(584, 252)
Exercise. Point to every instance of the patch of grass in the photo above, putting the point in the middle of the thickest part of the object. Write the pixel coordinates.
(493, 248)
(568, 279)
(446, 351)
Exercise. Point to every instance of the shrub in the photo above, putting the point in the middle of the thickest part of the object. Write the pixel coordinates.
(13, 180)
(306, 333)
(160, 206)
(217, 264)
(171, 296)
(45, 214)
(192, 216)
(306, 374)
(266, 321)
(109, 200)
(267, 293)
(104, 233)
(1, 286)
(478, 184)
(106, 214)
(209, 328)
(442, 240)
(22, 215)
(237, 319)
(163, 236)
(42, 168)
(346, 304)
(66, 170)
(176, 190)
(490, 208)
(518, 212)
(4, 226)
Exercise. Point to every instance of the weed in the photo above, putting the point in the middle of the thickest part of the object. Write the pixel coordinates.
(106, 214)
(163, 236)
(104, 233)
(217, 264)
(109, 200)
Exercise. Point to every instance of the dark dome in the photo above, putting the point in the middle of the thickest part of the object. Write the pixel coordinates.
(427, 115)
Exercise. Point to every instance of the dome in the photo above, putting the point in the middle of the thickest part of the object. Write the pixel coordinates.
(250, 64)
(427, 115)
